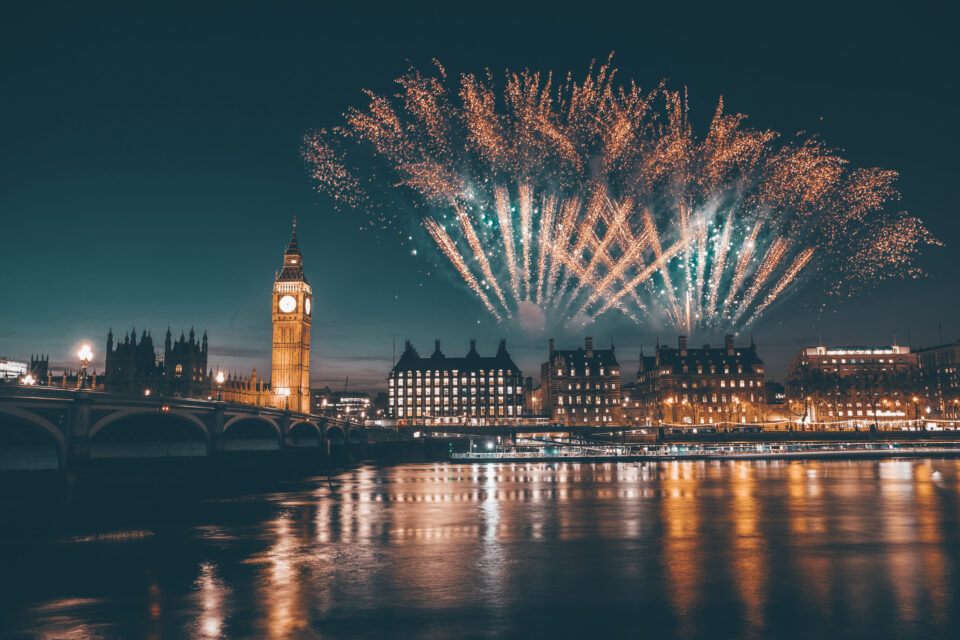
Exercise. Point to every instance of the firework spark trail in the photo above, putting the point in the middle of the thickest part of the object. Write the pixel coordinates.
(740, 271)
(449, 248)
(558, 279)
(699, 285)
(789, 276)
(616, 273)
(658, 252)
(585, 233)
(615, 219)
(548, 211)
(505, 219)
(526, 225)
(577, 272)
(599, 248)
(598, 156)
(719, 260)
(692, 265)
(471, 235)
(632, 246)
(770, 261)
(652, 268)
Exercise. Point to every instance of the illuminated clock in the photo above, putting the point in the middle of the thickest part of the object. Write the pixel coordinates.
(307, 305)
(288, 304)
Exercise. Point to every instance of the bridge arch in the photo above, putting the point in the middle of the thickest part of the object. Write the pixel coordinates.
(335, 435)
(355, 435)
(122, 414)
(28, 439)
(139, 433)
(305, 434)
(250, 433)
(240, 417)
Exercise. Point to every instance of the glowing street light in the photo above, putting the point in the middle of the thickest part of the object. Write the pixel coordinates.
(85, 355)
(219, 385)
(28, 380)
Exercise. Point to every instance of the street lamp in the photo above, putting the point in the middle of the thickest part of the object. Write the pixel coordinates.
(219, 385)
(85, 355)
(28, 380)
(285, 392)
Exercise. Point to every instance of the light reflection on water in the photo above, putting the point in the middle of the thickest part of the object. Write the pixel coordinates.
(685, 549)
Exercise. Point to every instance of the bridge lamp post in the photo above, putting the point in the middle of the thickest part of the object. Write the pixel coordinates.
(28, 380)
(85, 355)
(285, 392)
(219, 385)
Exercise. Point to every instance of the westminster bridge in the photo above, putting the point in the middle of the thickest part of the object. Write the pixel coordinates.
(48, 428)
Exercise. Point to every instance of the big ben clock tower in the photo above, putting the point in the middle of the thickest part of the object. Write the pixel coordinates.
(292, 309)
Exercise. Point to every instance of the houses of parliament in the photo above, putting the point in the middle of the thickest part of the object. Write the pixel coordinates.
(134, 366)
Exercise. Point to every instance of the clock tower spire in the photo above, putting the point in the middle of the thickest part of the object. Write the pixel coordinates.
(292, 310)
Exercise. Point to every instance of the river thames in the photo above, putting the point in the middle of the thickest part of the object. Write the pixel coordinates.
(798, 549)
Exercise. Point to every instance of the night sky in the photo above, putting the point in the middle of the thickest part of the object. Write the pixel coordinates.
(150, 163)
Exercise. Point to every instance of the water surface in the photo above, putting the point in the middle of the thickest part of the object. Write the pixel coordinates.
(861, 549)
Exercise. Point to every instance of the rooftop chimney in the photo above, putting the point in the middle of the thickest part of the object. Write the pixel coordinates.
(551, 347)
(589, 344)
(728, 343)
(682, 343)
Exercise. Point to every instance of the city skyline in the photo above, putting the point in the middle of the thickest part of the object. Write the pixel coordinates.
(171, 204)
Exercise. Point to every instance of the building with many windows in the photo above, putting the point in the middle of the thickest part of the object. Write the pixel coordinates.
(344, 405)
(581, 386)
(473, 390)
(706, 386)
(14, 369)
(859, 385)
(847, 361)
(939, 369)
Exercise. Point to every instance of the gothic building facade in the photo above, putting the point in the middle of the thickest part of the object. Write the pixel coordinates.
(292, 313)
(134, 366)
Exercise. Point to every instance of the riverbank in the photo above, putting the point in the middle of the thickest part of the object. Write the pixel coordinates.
(795, 451)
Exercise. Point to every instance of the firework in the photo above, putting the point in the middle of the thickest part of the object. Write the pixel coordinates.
(582, 198)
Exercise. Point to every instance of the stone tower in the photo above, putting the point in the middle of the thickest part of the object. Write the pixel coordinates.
(292, 309)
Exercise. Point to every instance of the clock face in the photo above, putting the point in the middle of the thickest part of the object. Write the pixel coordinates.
(308, 305)
(288, 304)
